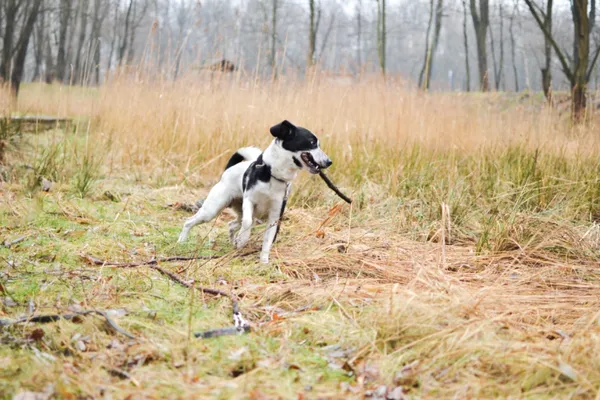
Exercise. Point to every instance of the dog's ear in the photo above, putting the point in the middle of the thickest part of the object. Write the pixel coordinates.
(283, 130)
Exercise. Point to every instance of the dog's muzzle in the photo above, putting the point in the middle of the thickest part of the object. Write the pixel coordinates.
(313, 166)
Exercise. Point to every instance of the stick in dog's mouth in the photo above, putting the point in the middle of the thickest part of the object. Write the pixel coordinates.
(334, 188)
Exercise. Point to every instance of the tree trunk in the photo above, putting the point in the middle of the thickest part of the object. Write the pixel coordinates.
(125, 38)
(430, 53)
(426, 55)
(78, 73)
(7, 42)
(382, 58)
(359, 35)
(181, 18)
(312, 35)
(39, 41)
(94, 45)
(513, 47)
(135, 24)
(579, 83)
(113, 41)
(547, 69)
(273, 38)
(500, 75)
(481, 23)
(466, 42)
(64, 16)
(21, 50)
(50, 73)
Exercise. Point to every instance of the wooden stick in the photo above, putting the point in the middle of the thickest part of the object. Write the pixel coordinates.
(43, 319)
(334, 188)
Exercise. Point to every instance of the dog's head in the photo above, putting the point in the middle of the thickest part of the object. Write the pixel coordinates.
(303, 145)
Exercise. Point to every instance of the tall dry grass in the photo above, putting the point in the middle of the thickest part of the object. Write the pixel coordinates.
(191, 121)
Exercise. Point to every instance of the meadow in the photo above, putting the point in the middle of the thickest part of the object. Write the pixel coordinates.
(466, 267)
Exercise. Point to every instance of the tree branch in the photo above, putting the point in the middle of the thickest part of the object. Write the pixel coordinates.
(563, 61)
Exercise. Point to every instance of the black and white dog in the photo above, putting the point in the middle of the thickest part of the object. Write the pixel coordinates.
(257, 185)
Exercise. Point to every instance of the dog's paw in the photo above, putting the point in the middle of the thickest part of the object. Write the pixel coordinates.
(182, 237)
(241, 239)
(264, 258)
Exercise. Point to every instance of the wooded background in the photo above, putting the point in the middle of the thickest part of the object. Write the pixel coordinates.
(466, 45)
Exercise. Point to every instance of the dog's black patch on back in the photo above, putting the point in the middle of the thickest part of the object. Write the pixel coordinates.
(257, 171)
(236, 158)
(300, 140)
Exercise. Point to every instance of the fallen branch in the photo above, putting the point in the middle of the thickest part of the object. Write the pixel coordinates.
(44, 319)
(10, 243)
(240, 324)
(153, 261)
(334, 188)
(232, 330)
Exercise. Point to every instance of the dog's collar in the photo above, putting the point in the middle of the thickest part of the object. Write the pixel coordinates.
(277, 179)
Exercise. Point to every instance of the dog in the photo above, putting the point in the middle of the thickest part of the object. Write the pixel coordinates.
(256, 185)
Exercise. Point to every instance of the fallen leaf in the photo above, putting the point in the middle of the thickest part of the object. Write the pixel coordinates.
(37, 334)
(567, 371)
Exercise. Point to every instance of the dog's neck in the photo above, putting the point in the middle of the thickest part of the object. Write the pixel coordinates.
(282, 165)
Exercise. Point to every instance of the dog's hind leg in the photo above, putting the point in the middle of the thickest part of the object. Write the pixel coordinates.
(216, 201)
(234, 226)
(247, 220)
(273, 222)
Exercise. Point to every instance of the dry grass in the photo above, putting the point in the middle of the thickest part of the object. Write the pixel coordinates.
(495, 296)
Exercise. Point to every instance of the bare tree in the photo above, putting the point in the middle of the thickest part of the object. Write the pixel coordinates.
(16, 41)
(11, 8)
(427, 44)
(272, 59)
(466, 43)
(481, 21)
(22, 44)
(579, 72)
(125, 38)
(314, 19)
(359, 34)
(100, 11)
(61, 58)
(513, 46)
(182, 17)
(498, 64)
(38, 44)
(78, 74)
(381, 34)
(431, 48)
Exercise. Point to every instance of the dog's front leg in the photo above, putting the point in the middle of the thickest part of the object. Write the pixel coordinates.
(270, 233)
(247, 220)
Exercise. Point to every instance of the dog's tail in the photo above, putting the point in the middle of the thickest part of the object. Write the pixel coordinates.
(243, 154)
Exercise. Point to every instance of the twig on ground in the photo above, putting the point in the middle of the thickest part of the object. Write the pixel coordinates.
(10, 243)
(123, 375)
(240, 324)
(334, 188)
(43, 319)
(153, 261)
(232, 330)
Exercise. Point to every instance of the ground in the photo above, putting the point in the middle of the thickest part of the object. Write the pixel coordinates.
(469, 273)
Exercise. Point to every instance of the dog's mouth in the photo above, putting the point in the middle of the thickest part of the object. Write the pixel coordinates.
(310, 163)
